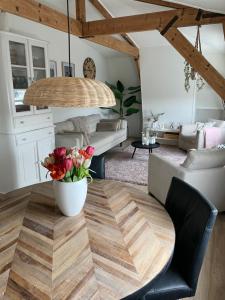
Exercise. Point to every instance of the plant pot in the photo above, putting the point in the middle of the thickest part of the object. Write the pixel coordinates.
(70, 196)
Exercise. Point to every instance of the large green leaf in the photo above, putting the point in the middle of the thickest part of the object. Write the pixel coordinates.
(117, 94)
(135, 91)
(129, 101)
(132, 111)
(120, 86)
(132, 88)
(115, 111)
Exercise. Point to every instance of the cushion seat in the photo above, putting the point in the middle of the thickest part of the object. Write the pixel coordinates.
(170, 286)
(106, 139)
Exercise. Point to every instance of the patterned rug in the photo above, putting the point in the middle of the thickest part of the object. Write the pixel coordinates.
(120, 166)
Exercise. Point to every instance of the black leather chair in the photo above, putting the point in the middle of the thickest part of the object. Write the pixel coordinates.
(193, 217)
(98, 166)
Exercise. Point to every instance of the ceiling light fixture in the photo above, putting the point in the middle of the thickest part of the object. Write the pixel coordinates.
(189, 71)
(69, 91)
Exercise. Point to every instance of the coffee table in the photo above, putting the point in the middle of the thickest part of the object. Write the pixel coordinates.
(138, 144)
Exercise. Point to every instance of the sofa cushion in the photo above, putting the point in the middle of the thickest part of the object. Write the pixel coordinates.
(112, 125)
(204, 159)
(218, 123)
(100, 138)
(64, 126)
(119, 122)
(86, 139)
(86, 123)
(91, 122)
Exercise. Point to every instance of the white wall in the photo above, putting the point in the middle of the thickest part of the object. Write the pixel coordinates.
(123, 68)
(162, 83)
(58, 51)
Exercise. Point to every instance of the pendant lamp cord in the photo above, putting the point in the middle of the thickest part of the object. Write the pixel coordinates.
(68, 24)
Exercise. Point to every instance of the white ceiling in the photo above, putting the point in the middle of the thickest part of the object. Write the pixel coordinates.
(212, 5)
(212, 36)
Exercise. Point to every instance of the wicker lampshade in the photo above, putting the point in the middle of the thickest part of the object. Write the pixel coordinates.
(68, 92)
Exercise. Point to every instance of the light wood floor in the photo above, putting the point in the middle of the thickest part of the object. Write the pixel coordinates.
(211, 285)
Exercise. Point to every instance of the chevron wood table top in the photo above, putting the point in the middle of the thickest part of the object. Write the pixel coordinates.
(120, 241)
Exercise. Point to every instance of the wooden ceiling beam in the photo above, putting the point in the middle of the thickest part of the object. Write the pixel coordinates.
(115, 44)
(106, 14)
(165, 3)
(149, 21)
(197, 60)
(80, 11)
(37, 12)
(40, 13)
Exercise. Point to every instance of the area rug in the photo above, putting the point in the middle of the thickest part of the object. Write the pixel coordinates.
(120, 166)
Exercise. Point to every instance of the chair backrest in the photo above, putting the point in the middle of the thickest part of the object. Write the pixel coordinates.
(193, 217)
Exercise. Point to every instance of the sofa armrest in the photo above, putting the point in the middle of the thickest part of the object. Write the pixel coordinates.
(160, 173)
(69, 139)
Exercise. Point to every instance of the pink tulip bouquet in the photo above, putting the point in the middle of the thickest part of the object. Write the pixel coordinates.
(69, 165)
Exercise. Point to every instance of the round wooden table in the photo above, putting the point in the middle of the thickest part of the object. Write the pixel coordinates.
(120, 242)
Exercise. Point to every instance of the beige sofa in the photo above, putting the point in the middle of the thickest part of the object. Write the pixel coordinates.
(204, 169)
(82, 131)
(191, 137)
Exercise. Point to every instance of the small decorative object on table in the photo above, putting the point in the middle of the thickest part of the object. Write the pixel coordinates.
(69, 168)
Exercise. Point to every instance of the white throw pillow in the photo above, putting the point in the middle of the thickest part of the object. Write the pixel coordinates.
(218, 123)
(64, 126)
(204, 159)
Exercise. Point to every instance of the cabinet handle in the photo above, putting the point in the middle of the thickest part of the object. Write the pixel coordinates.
(24, 139)
(48, 118)
(21, 122)
(50, 133)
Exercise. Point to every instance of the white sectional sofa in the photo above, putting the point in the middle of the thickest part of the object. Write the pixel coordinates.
(204, 169)
(81, 131)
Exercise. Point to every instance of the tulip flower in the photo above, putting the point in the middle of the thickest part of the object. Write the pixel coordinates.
(87, 163)
(67, 164)
(60, 152)
(90, 150)
(57, 173)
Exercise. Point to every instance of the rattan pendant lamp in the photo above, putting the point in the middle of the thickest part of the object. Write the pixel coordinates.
(69, 91)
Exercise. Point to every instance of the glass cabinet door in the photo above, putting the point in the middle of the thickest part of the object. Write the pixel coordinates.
(39, 67)
(20, 74)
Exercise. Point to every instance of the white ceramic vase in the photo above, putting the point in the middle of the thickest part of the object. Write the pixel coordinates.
(152, 140)
(70, 196)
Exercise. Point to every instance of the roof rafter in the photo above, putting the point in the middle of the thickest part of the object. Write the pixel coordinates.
(164, 3)
(149, 21)
(80, 10)
(37, 12)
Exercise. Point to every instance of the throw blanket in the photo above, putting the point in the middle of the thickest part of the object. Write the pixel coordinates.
(80, 125)
(213, 137)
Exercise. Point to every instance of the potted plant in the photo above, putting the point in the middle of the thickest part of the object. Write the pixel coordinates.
(69, 169)
(126, 99)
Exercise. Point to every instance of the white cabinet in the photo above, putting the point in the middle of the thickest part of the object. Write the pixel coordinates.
(27, 130)
(44, 147)
(27, 63)
(28, 161)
